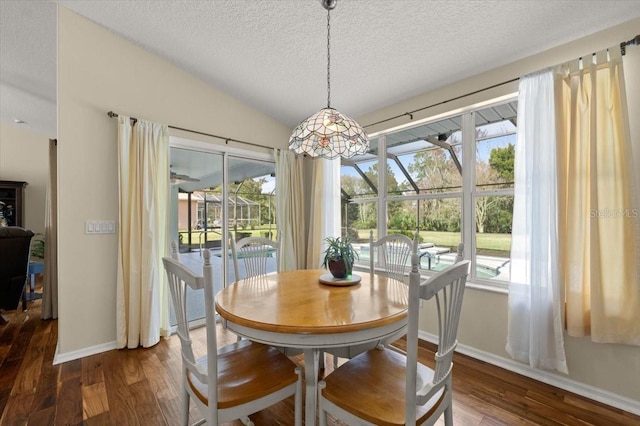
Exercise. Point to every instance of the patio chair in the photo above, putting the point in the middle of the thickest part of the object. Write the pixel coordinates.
(234, 381)
(412, 392)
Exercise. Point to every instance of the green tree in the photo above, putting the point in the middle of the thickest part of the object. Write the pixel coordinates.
(392, 182)
(502, 161)
(501, 215)
(251, 190)
(393, 188)
(351, 185)
(485, 174)
(435, 171)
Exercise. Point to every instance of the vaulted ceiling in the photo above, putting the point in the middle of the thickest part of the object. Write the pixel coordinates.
(271, 54)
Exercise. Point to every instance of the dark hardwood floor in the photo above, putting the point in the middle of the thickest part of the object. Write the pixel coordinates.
(139, 387)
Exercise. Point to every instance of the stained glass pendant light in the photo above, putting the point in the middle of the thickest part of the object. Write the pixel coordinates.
(329, 133)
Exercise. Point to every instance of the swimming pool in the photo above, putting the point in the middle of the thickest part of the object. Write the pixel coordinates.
(435, 263)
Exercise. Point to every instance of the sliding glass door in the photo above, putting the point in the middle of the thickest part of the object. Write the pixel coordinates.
(216, 196)
(251, 206)
(192, 223)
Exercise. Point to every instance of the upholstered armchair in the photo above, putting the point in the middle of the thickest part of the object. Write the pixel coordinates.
(14, 263)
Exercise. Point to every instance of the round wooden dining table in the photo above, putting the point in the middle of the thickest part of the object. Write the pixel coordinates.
(294, 309)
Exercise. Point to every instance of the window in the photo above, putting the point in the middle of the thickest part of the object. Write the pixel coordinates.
(359, 199)
(495, 140)
(450, 180)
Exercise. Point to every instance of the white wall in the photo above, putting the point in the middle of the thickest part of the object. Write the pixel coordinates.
(612, 368)
(99, 72)
(24, 156)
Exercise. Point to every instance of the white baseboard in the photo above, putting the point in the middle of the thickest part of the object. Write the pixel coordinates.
(59, 358)
(588, 391)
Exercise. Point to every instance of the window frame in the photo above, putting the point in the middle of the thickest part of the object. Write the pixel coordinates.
(467, 195)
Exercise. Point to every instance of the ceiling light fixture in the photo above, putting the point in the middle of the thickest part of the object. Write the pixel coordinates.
(329, 133)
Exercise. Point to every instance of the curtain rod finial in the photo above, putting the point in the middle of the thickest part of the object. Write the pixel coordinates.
(634, 41)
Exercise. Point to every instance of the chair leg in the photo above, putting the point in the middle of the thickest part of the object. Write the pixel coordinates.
(246, 421)
(185, 401)
(448, 416)
(322, 415)
(322, 418)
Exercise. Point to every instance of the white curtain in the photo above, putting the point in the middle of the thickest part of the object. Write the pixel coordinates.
(50, 284)
(331, 196)
(290, 211)
(324, 217)
(143, 177)
(535, 334)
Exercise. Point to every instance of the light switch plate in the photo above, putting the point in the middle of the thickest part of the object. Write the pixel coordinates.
(99, 227)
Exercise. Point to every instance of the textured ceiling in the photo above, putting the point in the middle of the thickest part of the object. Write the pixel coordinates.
(271, 54)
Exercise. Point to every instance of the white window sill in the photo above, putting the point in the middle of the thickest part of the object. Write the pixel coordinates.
(503, 288)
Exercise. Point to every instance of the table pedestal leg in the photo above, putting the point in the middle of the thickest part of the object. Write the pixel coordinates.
(311, 359)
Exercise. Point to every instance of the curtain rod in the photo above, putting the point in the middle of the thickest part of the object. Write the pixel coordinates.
(410, 113)
(634, 41)
(623, 45)
(226, 140)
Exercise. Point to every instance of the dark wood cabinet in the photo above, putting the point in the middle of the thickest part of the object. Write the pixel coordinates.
(12, 202)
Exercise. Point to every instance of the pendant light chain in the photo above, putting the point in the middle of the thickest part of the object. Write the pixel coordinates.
(328, 59)
(328, 133)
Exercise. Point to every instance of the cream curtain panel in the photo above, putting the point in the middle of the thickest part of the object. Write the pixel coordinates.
(598, 212)
(143, 172)
(535, 332)
(290, 211)
(316, 237)
(50, 284)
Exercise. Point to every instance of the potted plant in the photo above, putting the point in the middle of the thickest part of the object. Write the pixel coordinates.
(339, 256)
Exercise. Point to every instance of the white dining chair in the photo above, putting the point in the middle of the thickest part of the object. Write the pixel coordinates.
(385, 386)
(389, 256)
(254, 254)
(230, 382)
(175, 251)
(459, 253)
